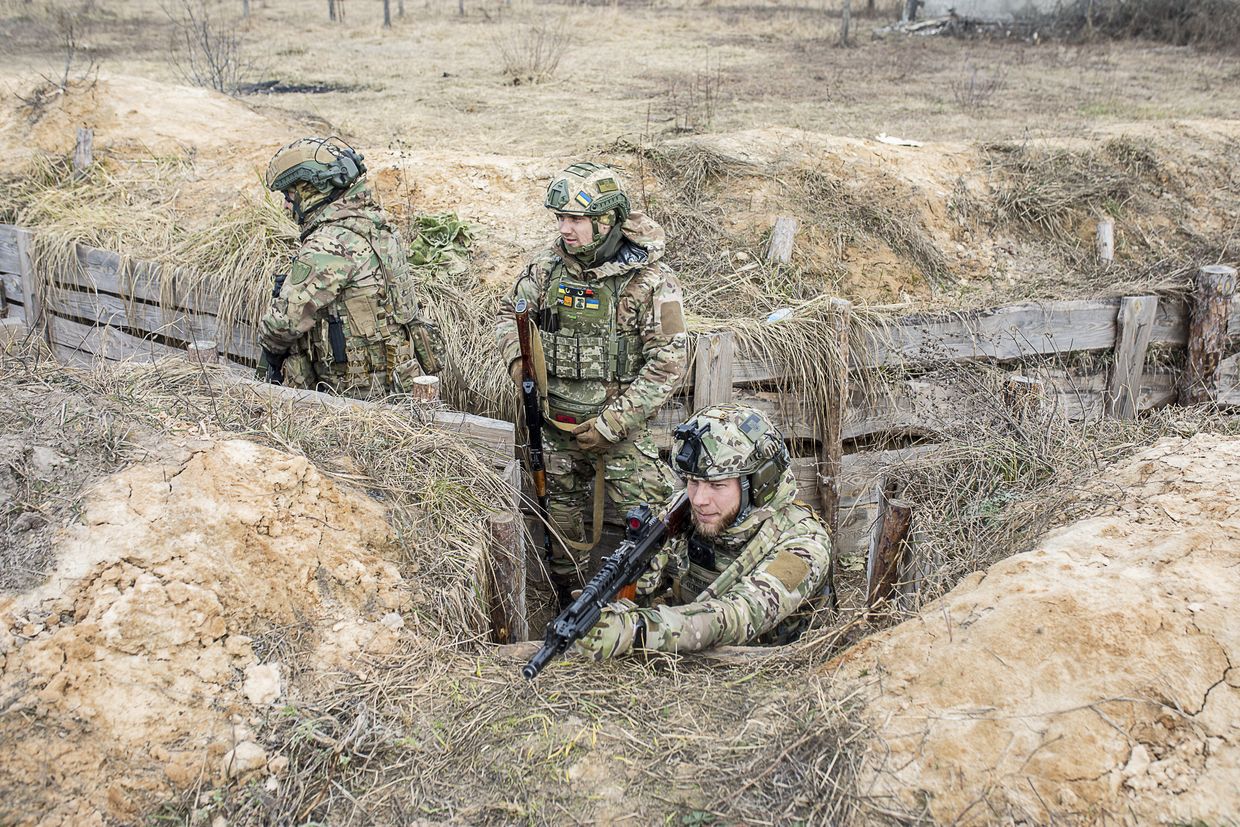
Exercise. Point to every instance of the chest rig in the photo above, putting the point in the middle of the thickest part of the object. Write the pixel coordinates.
(587, 351)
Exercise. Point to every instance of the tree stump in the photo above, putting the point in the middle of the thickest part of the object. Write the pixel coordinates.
(1106, 241)
(202, 353)
(1208, 309)
(782, 236)
(425, 389)
(83, 151)
(1135, 327)
(888, 548)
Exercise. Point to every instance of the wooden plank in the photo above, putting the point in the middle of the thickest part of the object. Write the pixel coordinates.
(108, 342)
(1012, 332)
(1136, 326)
(8, 248)
(142, 319)
(13, 292)
(104, 271)
(32, 297)
(1229, 380)
(73, 357)
(712, 369)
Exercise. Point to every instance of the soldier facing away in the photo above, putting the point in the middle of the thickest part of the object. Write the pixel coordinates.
(750, 565)
(611, 322)
(345, 318)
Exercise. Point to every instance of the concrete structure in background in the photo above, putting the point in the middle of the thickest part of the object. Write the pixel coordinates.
(988, 9)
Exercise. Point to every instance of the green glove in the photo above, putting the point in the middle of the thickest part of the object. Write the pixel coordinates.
(614, 633)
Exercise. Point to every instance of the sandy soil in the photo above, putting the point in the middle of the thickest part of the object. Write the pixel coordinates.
(1089, 680)
(136, 670)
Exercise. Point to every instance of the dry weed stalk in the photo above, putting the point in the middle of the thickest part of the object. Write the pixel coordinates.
(531, 53)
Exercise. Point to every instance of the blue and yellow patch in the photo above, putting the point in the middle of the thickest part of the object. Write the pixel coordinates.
(583, 198)
(582, 298)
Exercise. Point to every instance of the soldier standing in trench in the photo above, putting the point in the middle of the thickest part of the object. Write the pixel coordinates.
(345, 318)
(610, 318)
(753, 562)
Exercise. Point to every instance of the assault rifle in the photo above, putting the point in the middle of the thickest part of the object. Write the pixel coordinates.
(645, 534)
(533, 422)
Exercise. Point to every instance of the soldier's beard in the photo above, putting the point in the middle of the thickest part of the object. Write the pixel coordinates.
(716, 526)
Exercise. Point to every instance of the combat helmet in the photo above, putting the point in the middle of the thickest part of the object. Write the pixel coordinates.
(313, 171)
(593, 190)
(726, 441)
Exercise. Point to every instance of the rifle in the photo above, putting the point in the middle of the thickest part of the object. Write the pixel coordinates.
(273, 363)
(534, 422)
(644, 536)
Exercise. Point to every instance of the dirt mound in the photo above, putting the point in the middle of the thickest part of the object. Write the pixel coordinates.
(187, 596)
(1090, 679)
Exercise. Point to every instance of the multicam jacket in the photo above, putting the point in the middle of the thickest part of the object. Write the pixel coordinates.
(749, 583)
(613, 335)
(348, 301)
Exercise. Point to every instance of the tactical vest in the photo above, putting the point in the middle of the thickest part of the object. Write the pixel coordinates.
(586, 351)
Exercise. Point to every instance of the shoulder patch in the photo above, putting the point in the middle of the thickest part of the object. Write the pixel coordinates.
(788, 569)
(669, 308)
(299, 272)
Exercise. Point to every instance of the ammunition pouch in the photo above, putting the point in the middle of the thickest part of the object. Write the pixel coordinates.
(604, 358)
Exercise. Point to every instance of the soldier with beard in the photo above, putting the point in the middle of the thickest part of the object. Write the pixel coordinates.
(750, 565)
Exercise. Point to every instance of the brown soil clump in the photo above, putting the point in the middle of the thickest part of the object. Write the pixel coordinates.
(136, 670)
(1090, 680)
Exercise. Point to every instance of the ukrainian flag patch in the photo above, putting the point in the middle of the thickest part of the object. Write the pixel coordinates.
(583, 198)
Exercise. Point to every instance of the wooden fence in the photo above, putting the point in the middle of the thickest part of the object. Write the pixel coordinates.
(114, 308)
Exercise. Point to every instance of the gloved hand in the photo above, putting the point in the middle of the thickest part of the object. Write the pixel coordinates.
(589, 439)
(517, 371)
(614, 633)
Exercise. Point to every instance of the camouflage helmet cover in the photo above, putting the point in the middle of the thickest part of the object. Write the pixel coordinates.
(587, 188)
(323, 163)
(725, 441)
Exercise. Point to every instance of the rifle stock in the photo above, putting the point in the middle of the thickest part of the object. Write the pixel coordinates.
(645, 535)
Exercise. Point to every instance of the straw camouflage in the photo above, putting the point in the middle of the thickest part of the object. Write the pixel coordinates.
(349, 281)
(756, 581)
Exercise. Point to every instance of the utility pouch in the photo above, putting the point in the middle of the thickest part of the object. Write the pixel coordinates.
(335, 336)
(548, 320)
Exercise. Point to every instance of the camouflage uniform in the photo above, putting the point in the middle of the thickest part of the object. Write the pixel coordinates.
(615, 348)
(754, 582)
(349, 281)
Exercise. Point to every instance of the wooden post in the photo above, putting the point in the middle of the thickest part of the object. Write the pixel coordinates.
(83, 151)
(831, 422)
(1208, 309)
(202, 353)
(32, 293)
(507, 566)
(782, 235)
(887, 548)
(425, 389)
(712, 369)
(1106, 241)
(1135, 326)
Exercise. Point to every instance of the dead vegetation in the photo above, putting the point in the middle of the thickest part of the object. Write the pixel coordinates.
(1213, 24)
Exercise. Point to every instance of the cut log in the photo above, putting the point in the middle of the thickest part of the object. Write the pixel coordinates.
(1136, 327)
(1106, 241)
(425, 389)
(507, 569)
(782, 236)
(83, 151)
(887, 550)
(1208, 310)
(204, 353)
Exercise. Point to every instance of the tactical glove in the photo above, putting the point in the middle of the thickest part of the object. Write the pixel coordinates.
(589, 438)
(614, 633)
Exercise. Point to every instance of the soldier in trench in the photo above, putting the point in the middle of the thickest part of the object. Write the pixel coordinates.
(345, 317)
(611, 323)
(754, 562)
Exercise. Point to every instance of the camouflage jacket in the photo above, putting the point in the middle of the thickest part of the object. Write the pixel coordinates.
(753, 578)
(648, 311)
(351, 266)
